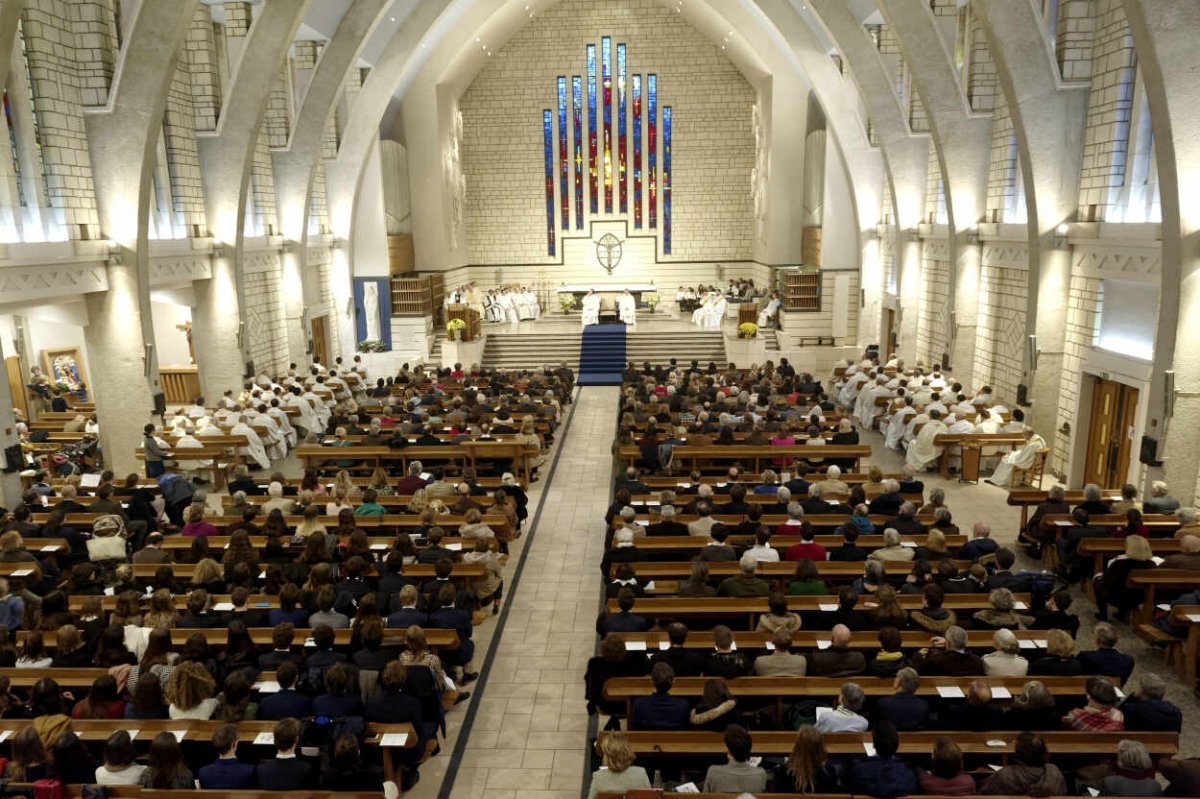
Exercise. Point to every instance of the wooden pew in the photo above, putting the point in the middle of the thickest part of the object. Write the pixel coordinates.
(218, 636)
(1151, 580)
(781, 572)
(692, 457)
(391, 521)
(702, 640)
(969, 447)
(696, 543)
(750, 607)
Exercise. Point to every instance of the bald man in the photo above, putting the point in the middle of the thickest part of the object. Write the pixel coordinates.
(838, 659)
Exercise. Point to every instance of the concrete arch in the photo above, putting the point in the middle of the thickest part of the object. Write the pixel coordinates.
(1165, 33)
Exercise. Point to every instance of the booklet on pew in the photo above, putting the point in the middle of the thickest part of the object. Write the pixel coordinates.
(950, 692)
(89, 480)
(1000, 692)
(393, 739)
(267, 686)
(264, 739)
(687, 787)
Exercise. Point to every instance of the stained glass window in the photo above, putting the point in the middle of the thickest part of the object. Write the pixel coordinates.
(606, 117)
(621, 92)
(593, 193)
(548, 149)
(577, 113)
(666, 180)
(563, 194)
(637, 152)
(652, 145)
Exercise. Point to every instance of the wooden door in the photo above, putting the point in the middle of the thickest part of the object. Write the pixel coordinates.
(320, 339)
(16, 385)
(888, 344)
(1114, 406)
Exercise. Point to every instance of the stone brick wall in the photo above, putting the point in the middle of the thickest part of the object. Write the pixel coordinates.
(262, 186)
(1073, 44)
(201, 59)
(933, 320)
(1109, 109)
(982, 91)
(1083, 319)
(95, 31)
(713, 147)
(264, 312)
(277, 122)
(49, 44)
(1000, 333)
(1002, 167)
(935, 192)
(183, 158)
(318, 212)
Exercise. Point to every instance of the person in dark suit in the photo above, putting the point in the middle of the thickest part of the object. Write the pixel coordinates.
(285, 771)
(683, 661)
(948, 656)
(242, 481)
(737, 504)
(282, 637)
(393, 706)
(449, 617)
(838, 660)
(408, 614)
(888, 503)
(717, 550)
(435, 551)
(1147, 711)
(286, 702)
(624, 621)
(904, 709)
(226, 773)
(849, 551)
(909, 484)
(1076, 567)
(1003, 577)
(660, 710)
(1105, 660)
(1054, 616)
(667, 524)
(631, 483)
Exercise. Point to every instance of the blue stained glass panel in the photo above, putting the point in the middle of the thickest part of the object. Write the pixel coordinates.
(563, 193)
(593, 165)
(621, 92)
(606, 117)
(666, 179)
(577, 114)
(652, 146)
(548, 149)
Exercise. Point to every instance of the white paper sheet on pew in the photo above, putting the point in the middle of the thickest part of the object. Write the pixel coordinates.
(1163, 606)
(1093, 792)
(909, 544)
(110, 591)
(179, 735)
(267, 686)
(1193, 617)
(455, 547)
(378, 547)
(49, 548)
(4, 735)
(1000, 692)
(649, 586)
(1027, 643)
(223, 607)
(264, 739)
(824, 643)
(132, 734)
(1041, 643)
(652, 503)
(426, 476)
(770, 646)
(1064, 523)
(1019, 605)
(1157, 561)
(869, 748)
(827, 607)
(89, 480)
(993, 767)
(393, 739)
(663, 646)
(635, 646)
(733, 646)
(823, 711)
(754, 762)
(687, 787)
(21, 573)
(683, 485)
(1120, 693)
(950, 692)
(642, 522)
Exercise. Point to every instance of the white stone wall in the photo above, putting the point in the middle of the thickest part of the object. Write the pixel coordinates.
(1000, 333)
(713, 144)
(1073, 45)
(935, 192)
(1083, 318)
(58, 104)
(324, 269)
(838, 315)
(201, 60)
(982, 91)
(95, 48)
(265, 330)
(933, 318)
(262, 187)
(183, 158)
(1109, 108)
(1002, 167)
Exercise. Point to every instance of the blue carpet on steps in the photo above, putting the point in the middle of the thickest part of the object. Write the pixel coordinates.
(602, 355)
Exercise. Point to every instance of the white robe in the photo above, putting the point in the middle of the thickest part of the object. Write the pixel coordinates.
(897, 426)
(1022, 458)
(274, 441)
(284, 424)
(190, 442)
(307, 418)
(628, 309)
(254, 448)
(591, 309)
(910, 431)
(703, 310)
(922, 452)
(764, 316)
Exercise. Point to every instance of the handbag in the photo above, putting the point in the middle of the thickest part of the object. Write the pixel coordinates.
(48, 789)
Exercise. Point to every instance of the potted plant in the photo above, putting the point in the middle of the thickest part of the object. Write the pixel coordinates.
(651, 299)
(747, 330)
(369, 345)
(566, 302)
(454, 329)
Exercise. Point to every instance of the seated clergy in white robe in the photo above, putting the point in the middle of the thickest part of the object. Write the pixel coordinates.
(922, 452)
(898, 424)
(306, 419)
(273, 440)
(627, 308)
(865, 408)
(254, 449)
(702, 310)
(769, 311)
(185, 442)
(591, 308)
(1022, 458)
(961, 426)
(283, 422)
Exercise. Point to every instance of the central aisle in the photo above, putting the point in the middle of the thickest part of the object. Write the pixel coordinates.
(530, 730)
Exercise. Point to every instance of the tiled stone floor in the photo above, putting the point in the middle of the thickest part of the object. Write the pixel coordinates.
(529, 731)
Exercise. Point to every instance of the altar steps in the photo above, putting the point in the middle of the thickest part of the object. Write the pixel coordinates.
(683, 346)
(531, 349)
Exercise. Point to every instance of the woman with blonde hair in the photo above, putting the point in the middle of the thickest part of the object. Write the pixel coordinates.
(887, 611)
(473, 526)
(873, 486)
(344, 484)
(1061, 659)
(528, 437)
(618, 774)
(379, 483)
(1112, 588)
(418, 653)
(311, 523)
(807, 768)
(162, 612)
(340, 502)
(935, 547)
(418, 502)
(207, 575)
(189, 692)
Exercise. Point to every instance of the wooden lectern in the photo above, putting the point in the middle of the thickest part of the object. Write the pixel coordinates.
(464, 312)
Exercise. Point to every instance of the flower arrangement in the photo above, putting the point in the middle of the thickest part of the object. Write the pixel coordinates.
(651, 299)
(566, 302)
(747, 330)
(368, 345)
(455, 328)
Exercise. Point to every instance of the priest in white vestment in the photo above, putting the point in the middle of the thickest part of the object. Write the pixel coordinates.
(898, 424)
(254, 447)
(273, 440)
(1022, 458)
(769, 310)
(627, 308)
(702, 310)
(185, 442)
(283, 423)
(306, 420)
(922, 452)
(591, 308)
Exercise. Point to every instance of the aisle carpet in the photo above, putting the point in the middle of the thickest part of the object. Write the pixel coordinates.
(602, 355)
